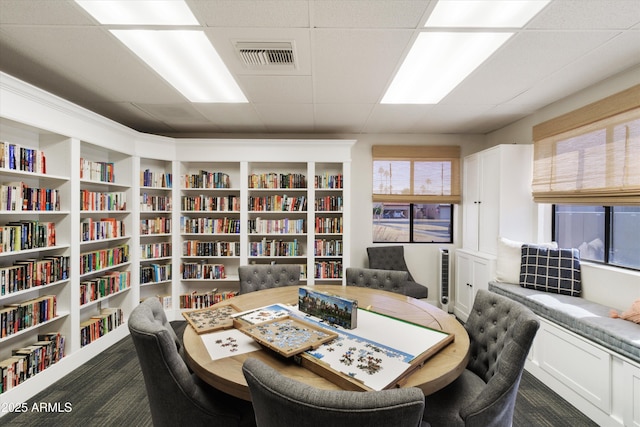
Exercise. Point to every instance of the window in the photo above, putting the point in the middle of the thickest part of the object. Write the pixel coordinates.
(587, 163)
(414, 189)
(609, 234)
(412, 223)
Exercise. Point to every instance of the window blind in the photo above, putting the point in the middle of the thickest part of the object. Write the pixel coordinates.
(591, 155)
(416, 174)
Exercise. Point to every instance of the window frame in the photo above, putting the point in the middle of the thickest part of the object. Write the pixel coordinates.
(608, 226)
(411, 226)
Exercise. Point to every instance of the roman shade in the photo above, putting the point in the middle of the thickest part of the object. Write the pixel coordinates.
(591, 155)
(416, 174)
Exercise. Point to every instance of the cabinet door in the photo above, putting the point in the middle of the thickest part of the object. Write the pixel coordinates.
(470, 198)
(489, 201)
(464, 286)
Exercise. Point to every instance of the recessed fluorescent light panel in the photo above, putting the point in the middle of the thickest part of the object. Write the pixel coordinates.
(437, 63)
(439, 60)
(139, 12)
(484, 13)
(187, 60)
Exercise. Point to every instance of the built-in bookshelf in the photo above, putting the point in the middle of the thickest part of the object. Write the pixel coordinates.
(278, 220)
(156, 229)
(328, 210)
(35, 248)
(210, 206)
(106, 227)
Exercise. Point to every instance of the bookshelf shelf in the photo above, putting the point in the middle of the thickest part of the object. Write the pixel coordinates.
(31, 329)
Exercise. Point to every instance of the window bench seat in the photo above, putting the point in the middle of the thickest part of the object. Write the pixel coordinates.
(586, 318)
(587, 357)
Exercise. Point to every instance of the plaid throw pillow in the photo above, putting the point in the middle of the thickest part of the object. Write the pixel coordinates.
(551, 270)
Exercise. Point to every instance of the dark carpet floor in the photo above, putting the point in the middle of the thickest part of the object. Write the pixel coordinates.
(109, 391)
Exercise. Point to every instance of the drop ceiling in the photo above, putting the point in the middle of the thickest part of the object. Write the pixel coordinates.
(346, 53)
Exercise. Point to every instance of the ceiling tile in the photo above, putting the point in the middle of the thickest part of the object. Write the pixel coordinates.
(343, 118)
(355, 66)
(43, 12)
(598, 14)
(232, 117)
(251, 13)
(278, 89)
(287, 117)
(367, 13)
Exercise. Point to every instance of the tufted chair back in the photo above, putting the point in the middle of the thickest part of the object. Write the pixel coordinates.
(256, 277)
(392, 258)
(501, 332)
(281, 401)
(392, 281)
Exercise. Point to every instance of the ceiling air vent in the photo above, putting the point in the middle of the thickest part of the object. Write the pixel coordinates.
(266, 55)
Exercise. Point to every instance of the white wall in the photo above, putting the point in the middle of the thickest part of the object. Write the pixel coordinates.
(610, 286)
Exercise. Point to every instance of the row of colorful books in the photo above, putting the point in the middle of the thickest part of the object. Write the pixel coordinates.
(209, 225)
(217, 248)
(103, 201)
(151, 203)
(104, 228)
(30, 273)
(278, 203)
(277, 226)
(328, 180)
(324, 247)
(329, 203)
(197, 300)
(202, 271)
(155, 250)
(100, 287)
(205, 179)
(103, 258)
(203, 203)
(155, 273)
(18, 196)
(277, 180)
(23, 235)
(100, 325)
(25, 362)
(275, 248)
(155, 179)
(16, 157)
(328, 269)
(329, 225)
(159, 225)
(16, 317)
(97, 171)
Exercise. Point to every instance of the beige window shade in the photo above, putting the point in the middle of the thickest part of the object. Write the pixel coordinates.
(595, 163)
(416, 174)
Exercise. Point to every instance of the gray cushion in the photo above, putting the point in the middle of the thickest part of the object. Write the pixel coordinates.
(551, 270)
(280, 401)
(385, 280)
(256, 277)
(586, 318)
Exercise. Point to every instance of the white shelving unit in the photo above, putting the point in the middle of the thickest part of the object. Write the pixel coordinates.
(67, 133)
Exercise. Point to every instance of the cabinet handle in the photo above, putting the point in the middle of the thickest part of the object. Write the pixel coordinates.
(470, 285)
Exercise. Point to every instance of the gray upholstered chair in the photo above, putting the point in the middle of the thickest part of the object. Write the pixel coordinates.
(256, 277)
(392, 258)
(280, 401)
(386, 280)
(501, 331)
(176, 396)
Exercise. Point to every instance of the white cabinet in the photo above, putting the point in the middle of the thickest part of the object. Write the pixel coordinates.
(496, 198)
(473, 272)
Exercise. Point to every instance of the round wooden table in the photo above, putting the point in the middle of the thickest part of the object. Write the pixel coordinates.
(437, 372)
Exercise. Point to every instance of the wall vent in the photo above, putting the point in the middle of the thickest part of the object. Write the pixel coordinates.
(266, 55)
